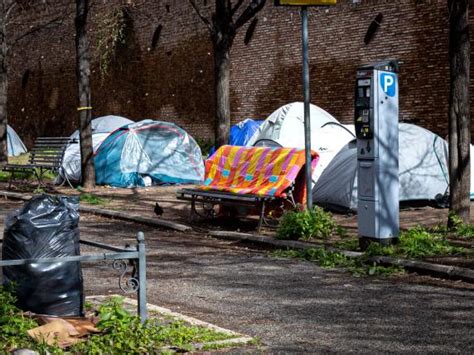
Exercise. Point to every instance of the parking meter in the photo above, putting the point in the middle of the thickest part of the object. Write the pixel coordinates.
(376, 128)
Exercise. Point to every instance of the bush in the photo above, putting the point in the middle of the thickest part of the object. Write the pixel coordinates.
(205, 145)
(307, 224)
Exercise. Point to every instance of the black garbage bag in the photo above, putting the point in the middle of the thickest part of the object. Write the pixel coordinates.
(45, 227)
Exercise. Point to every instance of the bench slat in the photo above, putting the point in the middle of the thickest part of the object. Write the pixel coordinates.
(49, 145)
(191, 193)
(46, 152)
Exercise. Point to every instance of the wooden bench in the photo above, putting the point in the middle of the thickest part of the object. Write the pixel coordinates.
(210, 198)
(47, 155)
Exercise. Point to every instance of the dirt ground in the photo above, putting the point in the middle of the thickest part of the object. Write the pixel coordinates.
(141, 202)
(291, 306)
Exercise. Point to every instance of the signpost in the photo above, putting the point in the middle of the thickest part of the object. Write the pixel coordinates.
(306, 94)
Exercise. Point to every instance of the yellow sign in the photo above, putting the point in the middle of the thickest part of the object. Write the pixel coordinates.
(305, 2)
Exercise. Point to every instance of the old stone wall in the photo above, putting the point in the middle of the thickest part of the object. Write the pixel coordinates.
(173, 80)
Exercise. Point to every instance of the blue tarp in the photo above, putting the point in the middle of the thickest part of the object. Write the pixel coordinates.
(148, 152)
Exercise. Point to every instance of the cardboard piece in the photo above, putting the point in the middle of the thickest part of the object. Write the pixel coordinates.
(62, 332)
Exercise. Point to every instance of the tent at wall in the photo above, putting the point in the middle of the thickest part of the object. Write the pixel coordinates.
(101, 128)
(285, 127)
(148, 152)
(423, 171)
(15, 145)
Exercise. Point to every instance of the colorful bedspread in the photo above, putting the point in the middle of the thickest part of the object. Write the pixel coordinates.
(263, 171)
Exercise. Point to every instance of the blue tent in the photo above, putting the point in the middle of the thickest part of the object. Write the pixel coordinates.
(148, 152)
(241, 132)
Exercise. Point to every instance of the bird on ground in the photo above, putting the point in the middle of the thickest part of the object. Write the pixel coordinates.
(158, 209)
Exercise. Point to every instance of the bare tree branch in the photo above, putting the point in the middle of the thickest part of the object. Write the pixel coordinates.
(203, 18)
(236, 7)
(251, 10)
(10, 8)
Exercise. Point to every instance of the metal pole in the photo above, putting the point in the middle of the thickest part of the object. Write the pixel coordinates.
(306, 95)
(142, 311)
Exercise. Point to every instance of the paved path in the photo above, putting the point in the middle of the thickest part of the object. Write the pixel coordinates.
(291, 306)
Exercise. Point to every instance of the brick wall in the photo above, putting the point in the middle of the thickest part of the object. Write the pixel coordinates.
(174, 81)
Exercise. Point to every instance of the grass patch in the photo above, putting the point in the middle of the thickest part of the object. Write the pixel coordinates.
(122, 332)
(4, 176)
(21, 159)
(417, 243)
(332, 260)
(348, 244)
(459, 229)
(92, 199)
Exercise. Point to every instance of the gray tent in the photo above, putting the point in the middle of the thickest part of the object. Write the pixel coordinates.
(285, 126)
(14, 144)
(101, 128)
(423, 171)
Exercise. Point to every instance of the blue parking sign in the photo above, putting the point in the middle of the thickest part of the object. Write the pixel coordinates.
(388, 82)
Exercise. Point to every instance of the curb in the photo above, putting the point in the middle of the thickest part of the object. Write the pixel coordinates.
(112, 214)
(293, 244)
(444, 271)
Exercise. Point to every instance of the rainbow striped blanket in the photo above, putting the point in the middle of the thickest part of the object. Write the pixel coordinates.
(263, 171)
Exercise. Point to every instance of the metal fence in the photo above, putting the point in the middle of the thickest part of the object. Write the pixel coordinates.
(129, 259)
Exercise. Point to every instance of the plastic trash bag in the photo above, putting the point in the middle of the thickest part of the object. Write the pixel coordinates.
(45, 227)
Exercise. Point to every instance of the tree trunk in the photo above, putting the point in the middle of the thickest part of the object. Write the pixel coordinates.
(3, 86)
(84, 94)
(459, 115)
(222, 92)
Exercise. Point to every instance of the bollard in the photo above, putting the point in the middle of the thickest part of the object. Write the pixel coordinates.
(141, 294)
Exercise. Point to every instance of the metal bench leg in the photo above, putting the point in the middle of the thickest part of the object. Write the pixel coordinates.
(62, 172)
(141, 293)
(12, 175)
(262, 217)
(193, 213)
(38, 176)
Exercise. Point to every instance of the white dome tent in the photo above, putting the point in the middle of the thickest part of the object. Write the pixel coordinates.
(101, 128)
(423, 171)
(15, 145)
(285, 127)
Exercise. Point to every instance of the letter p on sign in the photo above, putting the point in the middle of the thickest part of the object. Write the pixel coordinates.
(388, 81)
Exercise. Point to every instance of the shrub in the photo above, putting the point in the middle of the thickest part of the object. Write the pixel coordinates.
(205, 145)
(307, 224)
